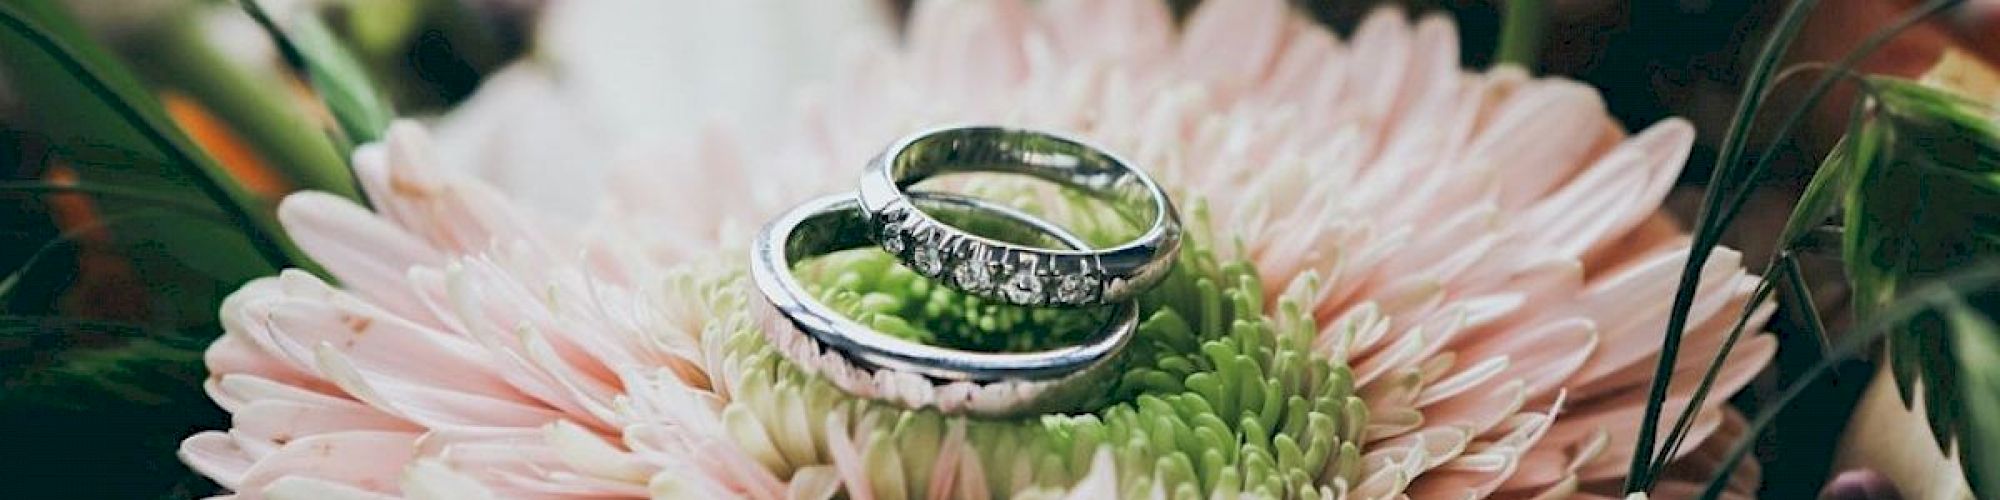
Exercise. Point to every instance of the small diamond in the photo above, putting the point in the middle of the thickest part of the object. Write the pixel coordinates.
(895, 214)
(928, 261)
(1024, 288)
(1076, 288)
(973, 276)
(892, 238)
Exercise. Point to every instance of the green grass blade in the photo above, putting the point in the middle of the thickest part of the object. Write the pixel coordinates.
(1638, 476)
(1840, 70)
(1802, 301)
(1684, 423)
(1715, 215)
(1814, 205)
(1829, 184)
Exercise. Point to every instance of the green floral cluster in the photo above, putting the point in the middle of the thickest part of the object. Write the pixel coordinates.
(1220, 391)
(876, 291)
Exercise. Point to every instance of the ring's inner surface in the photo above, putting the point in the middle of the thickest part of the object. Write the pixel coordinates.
(1101, 222)
(832, 257)
(1036, 155)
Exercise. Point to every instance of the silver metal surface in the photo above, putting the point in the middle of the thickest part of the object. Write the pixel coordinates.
(1008, 272)
(986, 383)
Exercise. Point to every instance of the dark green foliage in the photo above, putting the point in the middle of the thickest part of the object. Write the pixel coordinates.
(96, 409)
(339, 78)
(1924, 205)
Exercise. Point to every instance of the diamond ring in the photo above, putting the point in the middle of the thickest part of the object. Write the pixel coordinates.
(869, 363)
(1007, 272)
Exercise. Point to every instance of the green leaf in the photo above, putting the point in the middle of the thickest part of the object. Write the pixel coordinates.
(216, 251)
(1977, 351)
(1823, 195)
(1725, 199)
(335, 73)
(84, 399)
(104, 192)
(112, 129)
(1925, 206)
(1922, 205)
(1684, 424)
(258, 105)
(121, 360)
(1940, 295)
(383, 26)
(215, 224)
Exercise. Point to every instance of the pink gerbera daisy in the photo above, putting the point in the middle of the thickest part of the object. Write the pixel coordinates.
(1442, 284)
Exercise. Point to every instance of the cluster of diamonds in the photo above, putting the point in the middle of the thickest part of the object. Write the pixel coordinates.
(982, 269)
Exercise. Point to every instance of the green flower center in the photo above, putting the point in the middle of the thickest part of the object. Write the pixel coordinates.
(1221, 391)
(871, 287)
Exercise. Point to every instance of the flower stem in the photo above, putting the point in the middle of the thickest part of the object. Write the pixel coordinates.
(1521, 33)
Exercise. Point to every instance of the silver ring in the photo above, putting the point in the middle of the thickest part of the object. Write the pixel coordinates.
(869, 363)
(1007, 272)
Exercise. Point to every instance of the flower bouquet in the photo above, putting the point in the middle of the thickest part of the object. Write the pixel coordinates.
(1225, 249)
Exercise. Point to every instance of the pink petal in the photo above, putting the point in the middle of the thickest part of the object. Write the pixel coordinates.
(216, 455)
(371, 460)
(972, 49)
(1232, 44)
(1109, 30)
(363, 251)
(1381, 48)
(1541, 134)
(234, 353)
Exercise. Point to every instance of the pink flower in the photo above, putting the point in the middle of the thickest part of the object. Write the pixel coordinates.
(1482, 250)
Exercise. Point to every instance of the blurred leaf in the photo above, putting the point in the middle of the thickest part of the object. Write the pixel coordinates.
(252, 103)
(95, 409)
(213, 250)
(383, 26)
(112, 128)
(1729, 189)
(84, 401)
(335, 73)
(125, 361)
(1978, 355)
(11, 283)
(110, 192)
(1924, 205)
(1944, 294)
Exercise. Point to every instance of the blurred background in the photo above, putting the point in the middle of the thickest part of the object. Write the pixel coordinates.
(107, 304)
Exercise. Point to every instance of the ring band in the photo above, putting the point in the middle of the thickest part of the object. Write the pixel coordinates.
(1007, 272)
(873, 364)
